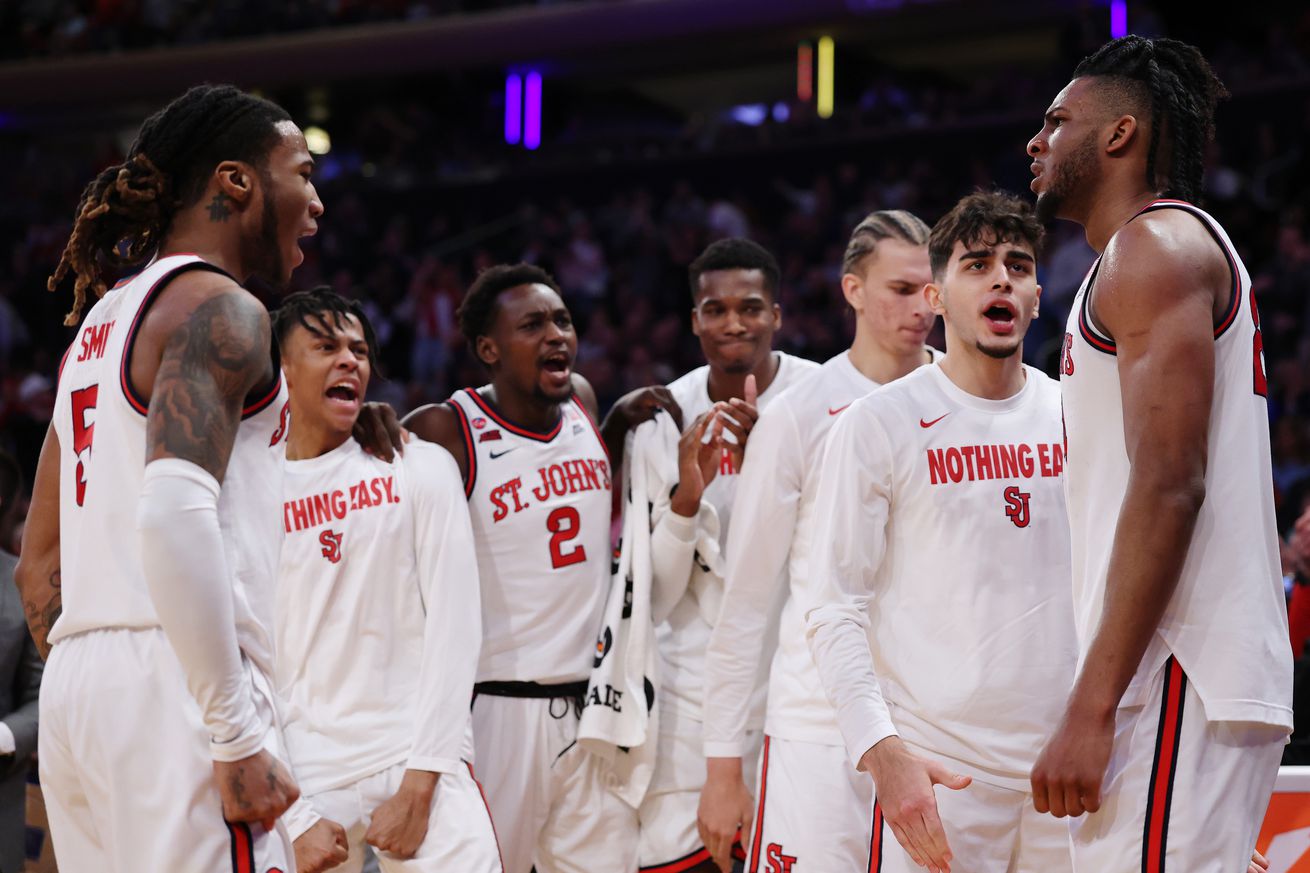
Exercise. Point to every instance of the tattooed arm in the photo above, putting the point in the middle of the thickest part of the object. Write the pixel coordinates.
(214, 347)
(37, 575)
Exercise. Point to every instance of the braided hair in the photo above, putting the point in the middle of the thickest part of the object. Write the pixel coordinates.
(128, 208)
(1174, 82)
(322, 311)
(878, 226)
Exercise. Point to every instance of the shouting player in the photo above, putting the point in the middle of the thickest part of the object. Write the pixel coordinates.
(942, 623)
(1172, 735)
(156, 711)
(539, 487)
(378, 625)
(734, 286)
(816, 814)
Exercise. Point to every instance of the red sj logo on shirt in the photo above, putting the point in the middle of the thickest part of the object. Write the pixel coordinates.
(331, 543)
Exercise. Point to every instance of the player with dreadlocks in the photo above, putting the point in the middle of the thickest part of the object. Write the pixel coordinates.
(158, 488)
(1171, 737)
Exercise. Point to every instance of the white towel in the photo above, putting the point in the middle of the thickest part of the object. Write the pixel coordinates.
(620, 722)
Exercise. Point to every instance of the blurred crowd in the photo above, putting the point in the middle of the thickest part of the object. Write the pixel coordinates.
(412, 214)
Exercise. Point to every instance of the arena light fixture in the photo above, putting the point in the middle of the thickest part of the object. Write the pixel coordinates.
(1118, 18)
(805, 72)
(513, 108)
(317, 140)
(532, 111)
(824, 102)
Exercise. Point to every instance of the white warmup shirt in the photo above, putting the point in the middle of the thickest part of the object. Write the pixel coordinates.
(541, 506)
(1227, 621)
(942, 549)
(379, 622)
(774, 511)
(681, 631)
(101, 424)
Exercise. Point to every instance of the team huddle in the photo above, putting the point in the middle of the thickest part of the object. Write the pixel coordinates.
(908, 608)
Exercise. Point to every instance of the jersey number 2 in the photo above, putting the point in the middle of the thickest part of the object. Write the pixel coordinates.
(84, 402)
(564, 525)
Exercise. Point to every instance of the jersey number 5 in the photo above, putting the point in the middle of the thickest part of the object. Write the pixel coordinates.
(564, 525)
(84, 431)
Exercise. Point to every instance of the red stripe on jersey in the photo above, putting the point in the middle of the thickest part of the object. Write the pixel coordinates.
(470, 454)
(262, 403)
(875, 841)
(686, 862)
(514, 428)
(592, 422)
(1163, 769)
(491, 819)
(243, 848)
(134, 400)
(758, 836)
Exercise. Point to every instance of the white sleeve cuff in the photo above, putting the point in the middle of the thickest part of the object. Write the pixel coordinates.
(8, 745)
(723, 749)
(434, 765)
(680, 527)
(299, 818)
(867, 739)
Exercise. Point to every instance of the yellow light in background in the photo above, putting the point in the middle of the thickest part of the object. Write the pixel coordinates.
(824, 102)
(317, 140)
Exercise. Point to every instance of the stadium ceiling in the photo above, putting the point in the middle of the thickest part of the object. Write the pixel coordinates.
(668, 40)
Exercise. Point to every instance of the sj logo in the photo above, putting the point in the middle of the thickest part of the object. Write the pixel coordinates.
(331, 543)
(1066, 355)
(1016, 505)
(281, 424)
(778, 862)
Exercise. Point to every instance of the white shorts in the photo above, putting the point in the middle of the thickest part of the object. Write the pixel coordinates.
(460, 834)
(990, 829)
(1181, 794)
(669, 840)
(550, 799)
(126, 769)
(811, 811)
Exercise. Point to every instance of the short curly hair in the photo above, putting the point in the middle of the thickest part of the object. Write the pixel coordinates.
(986, 217)
(478, 308)
(735, 253)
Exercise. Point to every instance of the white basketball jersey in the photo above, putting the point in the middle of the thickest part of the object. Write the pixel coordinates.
(942, 515)
(101, 424)
(541, 505)
(683, 637)
(1227, 621)
(372, 548)
(776, 500)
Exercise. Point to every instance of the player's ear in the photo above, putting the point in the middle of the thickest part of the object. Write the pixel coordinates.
(695, 318)
(933, 292)
(777, 316)
(853, 290)
(1037, 304)
(1120, 134)
(487, 351)
(236, 180)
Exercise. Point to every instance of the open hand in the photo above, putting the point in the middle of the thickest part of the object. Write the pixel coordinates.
(904, 784)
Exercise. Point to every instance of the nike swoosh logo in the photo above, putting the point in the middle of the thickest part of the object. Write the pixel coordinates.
(495, 455)
(922, 423)
(838, 409)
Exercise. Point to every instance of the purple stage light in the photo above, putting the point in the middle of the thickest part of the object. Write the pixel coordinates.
(513, 108)
(1118, 18)
(532, 111)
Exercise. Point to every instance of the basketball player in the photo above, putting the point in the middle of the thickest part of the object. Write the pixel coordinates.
(817, 813)
(379, 623)
(157, 750)
(942, 622)
(539, 486)
(735, 314)
(1172, 735)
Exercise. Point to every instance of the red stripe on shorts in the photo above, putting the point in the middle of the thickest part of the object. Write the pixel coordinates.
(1164, 768)
(759, 813)
(483, 792)
(686, 862)
(243, 848)
(875, 841)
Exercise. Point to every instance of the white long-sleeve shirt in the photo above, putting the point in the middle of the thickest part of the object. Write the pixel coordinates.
(379, 616)
(943, 599)
(774, 512)
(682, 630)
